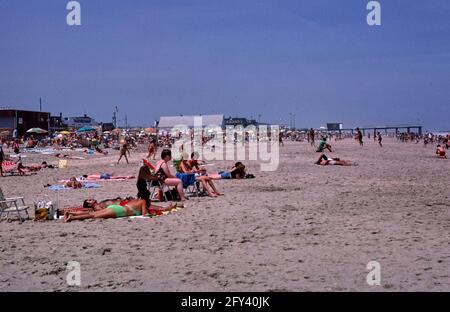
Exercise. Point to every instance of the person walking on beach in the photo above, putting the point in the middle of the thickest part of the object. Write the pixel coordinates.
(2, 157)
(123, 152)
(359, 137)
(379, 139)
(152, 149)
(311, 135)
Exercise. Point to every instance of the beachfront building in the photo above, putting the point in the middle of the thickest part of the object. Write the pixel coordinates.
(79, 122)
(57, 123)
(239, 121)
(22, 120)
(166, 123)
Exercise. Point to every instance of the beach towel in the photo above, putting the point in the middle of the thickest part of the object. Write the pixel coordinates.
(8, 166)
(111, 178)
(188, 179)
(62, 163)
(87, 185)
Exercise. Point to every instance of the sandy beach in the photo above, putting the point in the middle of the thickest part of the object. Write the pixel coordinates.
(300, 228)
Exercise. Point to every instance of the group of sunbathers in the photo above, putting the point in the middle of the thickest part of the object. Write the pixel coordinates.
(117, 208)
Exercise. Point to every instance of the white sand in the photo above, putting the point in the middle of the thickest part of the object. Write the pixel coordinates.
(300, 228)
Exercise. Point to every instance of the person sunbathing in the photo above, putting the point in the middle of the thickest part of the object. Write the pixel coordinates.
(204, 179)
(236, 172)
(125, 208)
(103, 176)
(73, 183)
(162, 169)
(325, 161)
(440, 151)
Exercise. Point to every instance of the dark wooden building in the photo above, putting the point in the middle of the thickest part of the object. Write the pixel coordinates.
(23, 120)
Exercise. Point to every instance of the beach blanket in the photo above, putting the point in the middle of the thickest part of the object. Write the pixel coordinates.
(81, 179)
(8, 166)
(188, 179)
(87, 185)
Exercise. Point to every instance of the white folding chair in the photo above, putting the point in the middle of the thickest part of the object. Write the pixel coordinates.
(12, 205)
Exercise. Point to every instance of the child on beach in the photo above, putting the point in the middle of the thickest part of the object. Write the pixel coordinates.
(323, 145)
(440, 152)
(123, 152)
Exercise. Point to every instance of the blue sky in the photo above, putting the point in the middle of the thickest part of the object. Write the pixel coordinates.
(317, 58)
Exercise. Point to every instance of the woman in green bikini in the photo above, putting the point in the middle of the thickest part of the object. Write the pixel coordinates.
(125, 208)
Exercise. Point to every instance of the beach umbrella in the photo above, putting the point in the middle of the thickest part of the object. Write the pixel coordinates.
(86, 129)
(37, 131)
(65, 132)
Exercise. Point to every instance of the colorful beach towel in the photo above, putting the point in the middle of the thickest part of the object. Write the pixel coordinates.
(87, 185)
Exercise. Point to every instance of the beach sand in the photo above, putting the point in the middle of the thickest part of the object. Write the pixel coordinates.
(300, 228)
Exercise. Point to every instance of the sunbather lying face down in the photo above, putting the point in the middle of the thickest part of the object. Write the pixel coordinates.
(125, 208)
(325, 161)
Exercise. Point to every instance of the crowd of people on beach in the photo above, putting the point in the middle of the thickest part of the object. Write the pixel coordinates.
(190, 170)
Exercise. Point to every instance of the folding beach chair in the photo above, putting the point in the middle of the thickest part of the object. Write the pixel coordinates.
(157, 186)
(12, 205)
(190, 183)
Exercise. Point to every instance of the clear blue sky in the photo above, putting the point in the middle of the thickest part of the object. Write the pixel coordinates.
(317, 58)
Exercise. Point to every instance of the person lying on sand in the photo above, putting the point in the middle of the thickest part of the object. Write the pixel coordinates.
(236, 172)
(92, 203)
(325, 161)
(440, 151)
(99, 150)
(103, 176)
(133, 207)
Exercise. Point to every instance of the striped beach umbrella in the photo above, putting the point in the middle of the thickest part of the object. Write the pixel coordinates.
(37, 131)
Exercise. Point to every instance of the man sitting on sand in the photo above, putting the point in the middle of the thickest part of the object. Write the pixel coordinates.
(126, 208)
(323, 145)
(73, 183)
(325, 161)
(440, 151)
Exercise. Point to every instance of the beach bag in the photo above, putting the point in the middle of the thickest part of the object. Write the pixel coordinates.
(171, 195)
(44, 209)
(62, 163)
